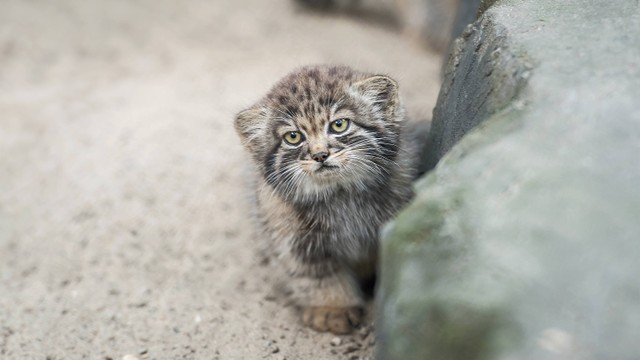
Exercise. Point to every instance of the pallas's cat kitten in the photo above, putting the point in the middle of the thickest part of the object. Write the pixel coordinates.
(332, 168)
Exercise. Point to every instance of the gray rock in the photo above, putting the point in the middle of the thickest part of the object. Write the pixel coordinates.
(467, 13)
(523, 243)
(482, 76)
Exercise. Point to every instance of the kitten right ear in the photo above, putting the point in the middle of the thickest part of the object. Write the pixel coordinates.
(381, 91)
(250, 125)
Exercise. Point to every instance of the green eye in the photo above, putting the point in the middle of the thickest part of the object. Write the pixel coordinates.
(339, 126)
(293, 137)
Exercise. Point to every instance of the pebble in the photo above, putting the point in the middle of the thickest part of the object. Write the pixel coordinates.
(129, 357)
(336, 341)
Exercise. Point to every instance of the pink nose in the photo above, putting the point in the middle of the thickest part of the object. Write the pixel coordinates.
(320, 156)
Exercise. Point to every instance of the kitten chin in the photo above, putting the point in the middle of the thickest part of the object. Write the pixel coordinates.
(327, 145)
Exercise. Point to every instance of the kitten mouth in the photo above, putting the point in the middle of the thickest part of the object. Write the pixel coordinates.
(325, 168)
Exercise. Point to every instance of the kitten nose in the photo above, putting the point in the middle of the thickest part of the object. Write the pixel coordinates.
(320, 156)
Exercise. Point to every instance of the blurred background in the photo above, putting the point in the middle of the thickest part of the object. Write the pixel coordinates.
(123, 221)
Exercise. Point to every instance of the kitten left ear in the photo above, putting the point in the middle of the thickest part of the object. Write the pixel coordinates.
(250, 125)
(381, 90)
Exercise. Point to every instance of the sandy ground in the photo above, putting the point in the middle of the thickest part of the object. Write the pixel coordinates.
(123, 221)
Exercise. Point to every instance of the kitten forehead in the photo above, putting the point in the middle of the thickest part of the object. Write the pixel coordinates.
(311, 91)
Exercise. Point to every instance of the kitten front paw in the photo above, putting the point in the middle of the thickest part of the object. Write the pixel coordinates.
(338, 320)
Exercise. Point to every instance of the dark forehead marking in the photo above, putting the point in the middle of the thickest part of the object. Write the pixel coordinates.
(303, 127)
(292, 110)
(344, 105)
(314, 75)
(281, 123)
(315, 125)
(325, 100)
(308, 109)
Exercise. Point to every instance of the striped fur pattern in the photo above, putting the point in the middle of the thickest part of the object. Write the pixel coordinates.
(322, 200)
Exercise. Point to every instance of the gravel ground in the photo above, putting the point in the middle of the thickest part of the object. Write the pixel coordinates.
(123, 226)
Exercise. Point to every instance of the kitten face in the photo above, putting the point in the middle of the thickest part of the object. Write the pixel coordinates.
(322, 128)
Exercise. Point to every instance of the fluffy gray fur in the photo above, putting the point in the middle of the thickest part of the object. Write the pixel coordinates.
(322, 194)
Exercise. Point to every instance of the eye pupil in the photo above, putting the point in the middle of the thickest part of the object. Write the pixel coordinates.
(293, 135)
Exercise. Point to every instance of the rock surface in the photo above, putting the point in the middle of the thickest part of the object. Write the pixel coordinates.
(482, 75)
(523, 242)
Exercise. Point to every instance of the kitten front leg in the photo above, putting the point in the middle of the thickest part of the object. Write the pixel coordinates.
(338, 320)
(333, 305)
(328, 295)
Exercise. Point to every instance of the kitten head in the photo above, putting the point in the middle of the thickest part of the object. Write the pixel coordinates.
(322, 128)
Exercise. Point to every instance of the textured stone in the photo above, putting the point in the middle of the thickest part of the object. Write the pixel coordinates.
(523, 242)
(481, 76)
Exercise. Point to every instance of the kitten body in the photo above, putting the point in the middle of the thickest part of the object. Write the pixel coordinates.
(331, 169)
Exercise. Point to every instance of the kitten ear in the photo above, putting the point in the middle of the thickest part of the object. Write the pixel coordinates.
(250, 125)
(381, 91)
